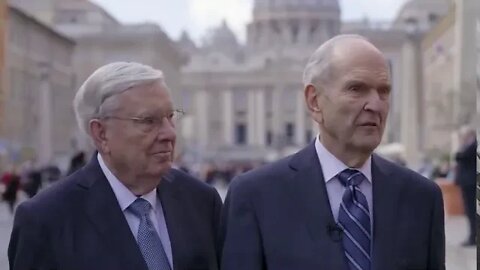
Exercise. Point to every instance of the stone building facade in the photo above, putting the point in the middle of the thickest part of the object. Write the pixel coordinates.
(247, 99)
(38, 78)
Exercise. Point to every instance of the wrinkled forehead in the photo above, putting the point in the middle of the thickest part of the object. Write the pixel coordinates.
(359, 61)
(357, 53)
(155, 97)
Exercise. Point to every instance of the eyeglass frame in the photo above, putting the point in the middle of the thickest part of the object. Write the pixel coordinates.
(156, 121)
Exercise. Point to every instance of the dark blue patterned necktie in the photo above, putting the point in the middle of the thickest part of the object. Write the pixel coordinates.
(354, 219)
(147, 237)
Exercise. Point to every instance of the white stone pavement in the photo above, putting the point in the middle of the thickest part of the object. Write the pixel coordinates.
(458, 258)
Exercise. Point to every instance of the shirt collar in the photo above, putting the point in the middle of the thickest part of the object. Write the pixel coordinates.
(124, 196)
(331, 165)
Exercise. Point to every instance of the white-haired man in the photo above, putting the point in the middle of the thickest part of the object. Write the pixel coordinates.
(334, 205)
(127, 208)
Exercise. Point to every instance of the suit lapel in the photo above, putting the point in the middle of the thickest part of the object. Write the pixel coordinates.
(172, 204)
(104, 212)
(386, 194)
(310, 193)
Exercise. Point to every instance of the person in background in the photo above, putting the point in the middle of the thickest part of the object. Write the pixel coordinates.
(77, 162)
(33, 183)
(465, 177)
(11, 180)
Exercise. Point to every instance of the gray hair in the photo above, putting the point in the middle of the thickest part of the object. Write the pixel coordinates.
(107, 82)
(319, 66)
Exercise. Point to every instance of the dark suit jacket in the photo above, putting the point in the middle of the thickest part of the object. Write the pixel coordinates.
(78, 224)
(279, 217)
(467, 165)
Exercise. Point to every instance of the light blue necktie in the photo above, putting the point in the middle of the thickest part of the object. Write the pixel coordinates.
(354, 219)
(147, 237)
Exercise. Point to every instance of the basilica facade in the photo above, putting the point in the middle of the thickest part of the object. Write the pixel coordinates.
(245, 100)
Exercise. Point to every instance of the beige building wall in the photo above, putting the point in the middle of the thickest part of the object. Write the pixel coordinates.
(44, 10)
(466, 12)
(83, 13)
(438, 68)
(38, 60)
(151, 47)
(101, 39)
(449, 56)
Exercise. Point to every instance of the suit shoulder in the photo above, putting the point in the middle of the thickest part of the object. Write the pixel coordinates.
(50, 202)
(411, 178)
(266, 176)
(191, 183)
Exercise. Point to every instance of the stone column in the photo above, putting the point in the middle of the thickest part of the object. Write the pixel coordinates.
(228, 120)
(277, 114)
(45, 151)
(317, 34)
(412, 85)
(314, 127)
(303, 33)
(300, 119)
(465, 61)
(251, 126)
(260, 115)
(285, 31)
(201, 117)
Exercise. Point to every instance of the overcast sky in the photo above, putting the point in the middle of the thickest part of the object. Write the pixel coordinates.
(196, 16)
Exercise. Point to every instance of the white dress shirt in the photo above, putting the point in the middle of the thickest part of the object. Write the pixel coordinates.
(331, 167)
(125, 197)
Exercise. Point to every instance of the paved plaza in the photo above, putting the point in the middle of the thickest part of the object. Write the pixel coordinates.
(458, 258)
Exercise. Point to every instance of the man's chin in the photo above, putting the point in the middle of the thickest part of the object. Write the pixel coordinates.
(368, 146)
(161, 169)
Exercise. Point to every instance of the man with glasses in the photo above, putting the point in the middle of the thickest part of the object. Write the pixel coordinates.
(127, 208)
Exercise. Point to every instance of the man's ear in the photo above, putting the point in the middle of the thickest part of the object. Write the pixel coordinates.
(98, 133)
(311, 98)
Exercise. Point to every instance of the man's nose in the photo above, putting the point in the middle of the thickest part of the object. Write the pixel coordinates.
(167, 130)
(375, 102)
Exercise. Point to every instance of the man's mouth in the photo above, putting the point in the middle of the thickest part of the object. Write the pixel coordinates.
(369, 124)
(162, 153)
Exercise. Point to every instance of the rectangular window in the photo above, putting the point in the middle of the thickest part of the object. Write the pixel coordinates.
(269, 138)
(290, 132)
(240, 134)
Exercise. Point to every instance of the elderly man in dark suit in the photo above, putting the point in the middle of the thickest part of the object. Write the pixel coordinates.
(127, 208)
(334, 205)
(465, 177)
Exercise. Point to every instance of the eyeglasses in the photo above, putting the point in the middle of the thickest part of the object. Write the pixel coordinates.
(151, 123)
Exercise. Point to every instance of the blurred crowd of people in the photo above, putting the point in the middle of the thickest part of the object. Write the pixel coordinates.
(440, 169)
(30, 179)
(218, 173)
